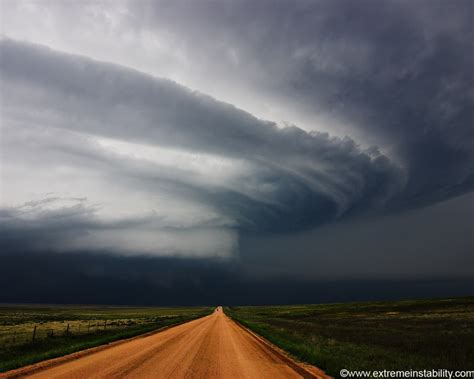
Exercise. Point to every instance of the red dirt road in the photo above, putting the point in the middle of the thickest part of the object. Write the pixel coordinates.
(210, 347)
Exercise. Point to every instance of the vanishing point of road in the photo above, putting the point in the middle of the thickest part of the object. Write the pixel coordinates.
(210, 347)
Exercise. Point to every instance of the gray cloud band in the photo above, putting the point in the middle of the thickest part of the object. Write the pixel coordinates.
(299, 179)
(395, 72)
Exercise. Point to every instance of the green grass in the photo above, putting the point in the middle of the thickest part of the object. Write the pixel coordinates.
(399, 335)
(88, 327)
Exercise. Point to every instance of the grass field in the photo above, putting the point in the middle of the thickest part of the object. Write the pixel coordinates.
(401, 335)
(62, 330)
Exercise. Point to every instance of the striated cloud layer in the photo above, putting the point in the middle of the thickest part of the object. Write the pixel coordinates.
(288, 141)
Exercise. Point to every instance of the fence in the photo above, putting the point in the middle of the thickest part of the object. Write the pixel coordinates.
(37, 332)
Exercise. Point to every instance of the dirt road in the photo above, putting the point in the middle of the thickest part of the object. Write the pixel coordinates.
(211, 347)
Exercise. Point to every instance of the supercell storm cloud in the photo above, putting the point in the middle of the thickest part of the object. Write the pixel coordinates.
(270, 134)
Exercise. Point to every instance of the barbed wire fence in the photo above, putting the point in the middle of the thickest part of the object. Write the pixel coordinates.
(38, 332)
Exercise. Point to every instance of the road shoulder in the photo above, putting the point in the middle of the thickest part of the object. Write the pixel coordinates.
(304, 369)
(49, 363)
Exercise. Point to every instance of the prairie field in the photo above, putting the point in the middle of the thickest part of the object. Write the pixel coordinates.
(32, 333)
(392, 335)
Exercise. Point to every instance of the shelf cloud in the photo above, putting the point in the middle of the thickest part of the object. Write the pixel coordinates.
(229, 130)
(72, 112)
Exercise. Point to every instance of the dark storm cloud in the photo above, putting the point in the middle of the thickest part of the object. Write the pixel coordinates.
(399, 72)
(429, 242)
(20, 234)
(297, 179)
(86, 278)
(285, 205)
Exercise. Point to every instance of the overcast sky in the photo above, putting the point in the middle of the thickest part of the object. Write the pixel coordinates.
(173, 147)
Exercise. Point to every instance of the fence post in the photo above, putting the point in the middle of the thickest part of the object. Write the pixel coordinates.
(67, 329)
(105, 324)
(34, 333)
